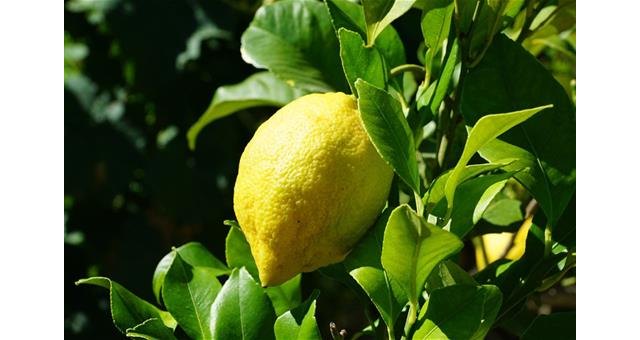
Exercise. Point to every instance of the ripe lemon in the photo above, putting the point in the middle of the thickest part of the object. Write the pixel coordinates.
(309, 185)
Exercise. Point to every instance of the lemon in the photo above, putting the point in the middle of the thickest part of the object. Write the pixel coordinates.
(309, 185)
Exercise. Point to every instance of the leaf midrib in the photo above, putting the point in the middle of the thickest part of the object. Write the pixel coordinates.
(397, 138)
(193, 302)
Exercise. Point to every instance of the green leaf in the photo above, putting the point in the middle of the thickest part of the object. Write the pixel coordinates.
(260, 89)
(299, 323)
(188, 292)
(503, 212)
(556, 326)
(448, 273)
(459, 312)
(464, 17)
(436, 189)
(151, 329)
(436, 22)
(238, 253)
(285, 296)
(443, 82)
(429, 99)
(128, 310)
(435, 25)
(365, 266)
(359, 61)
(159, 274)
(193, 253)
(242, 310)
(472, 199)
(378, 14)
(487, 23)
(295, 40)
(389, 131)
(423, 246)
(508, 79)
(237, 250)
(484, 131)
(350, 15)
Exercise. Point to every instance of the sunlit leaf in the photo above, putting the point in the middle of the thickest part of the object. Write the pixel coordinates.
(127, 309)
(459, 312)
(365, 266)
(423, 247)
(378, 14)
(260, 89)
(389, 131)
(484, 131)
(188, 292)
(242, 310)
(508, 79)
(295, 40)
(299, 323)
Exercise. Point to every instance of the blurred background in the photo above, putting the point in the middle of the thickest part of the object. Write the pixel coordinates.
(137, 75)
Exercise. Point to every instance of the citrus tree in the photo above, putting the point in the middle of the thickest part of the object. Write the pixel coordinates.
(382, 175)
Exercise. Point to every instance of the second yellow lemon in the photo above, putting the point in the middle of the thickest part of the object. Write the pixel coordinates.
(310, 184)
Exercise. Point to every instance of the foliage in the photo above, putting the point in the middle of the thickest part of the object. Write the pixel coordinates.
(477, 131)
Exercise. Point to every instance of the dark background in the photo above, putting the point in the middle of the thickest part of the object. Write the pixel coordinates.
(138, 74)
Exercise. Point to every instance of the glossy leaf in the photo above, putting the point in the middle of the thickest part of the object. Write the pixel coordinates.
(238, 251)
(436, 190)
(464, 14)
(446, 274)
(443, 82)
(503, 212)
(423, 246)
(472, 199)
(194, 254)
(544, 143)
(260, 89)
(188, 292)
(378, 14)
(459, 312)
(285, 296)
(151, 329)
(350, 15)
(238, 254)
(435, 25)
(484, 131)
(359, 61)
(389, 131)
(159, 274)
(299, 323)
(242, 310)
(365, 266)
(295, 40)
(556, 326)
(429, 99)
(127, 309)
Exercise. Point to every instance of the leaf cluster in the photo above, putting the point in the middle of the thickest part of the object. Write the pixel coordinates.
(475, 133)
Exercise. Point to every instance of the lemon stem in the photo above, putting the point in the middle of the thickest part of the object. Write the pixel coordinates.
(419, 205)
(411, 318)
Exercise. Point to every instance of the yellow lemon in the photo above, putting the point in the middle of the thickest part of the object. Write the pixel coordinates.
(309, 185)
